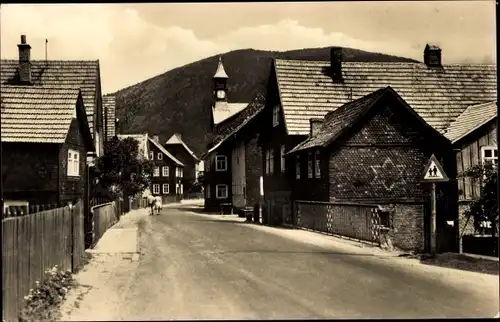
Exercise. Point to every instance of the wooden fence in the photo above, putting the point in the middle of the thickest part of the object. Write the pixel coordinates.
(34, 243)
(358, 221)
(104, 216)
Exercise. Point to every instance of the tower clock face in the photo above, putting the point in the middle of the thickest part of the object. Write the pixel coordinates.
(221, 94)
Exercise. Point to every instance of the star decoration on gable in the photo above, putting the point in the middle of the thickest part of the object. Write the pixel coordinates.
(389, 174)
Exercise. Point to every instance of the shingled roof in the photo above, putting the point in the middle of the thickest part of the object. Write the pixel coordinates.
(471, 119)
(338, 121)
(81, 74)
(164, 151)
(176, 139)
(227, 129)
(109, 107)
(438, 95)
(32, 114)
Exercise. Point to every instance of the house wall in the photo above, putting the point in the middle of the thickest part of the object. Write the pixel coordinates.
(189, 172)
(214, 178)
(30, 172)
(381, 161)
(253, 170)
(238, 174)
(72, 188)
(305, 188)
(172, 180)
(468, 154)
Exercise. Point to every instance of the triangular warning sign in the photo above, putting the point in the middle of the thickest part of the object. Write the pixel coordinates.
(434, 171)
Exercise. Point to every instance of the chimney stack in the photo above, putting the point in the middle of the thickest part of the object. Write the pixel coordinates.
(315, 126)
(336, 63)
(156, 138)
(432, 56)
(24, 61)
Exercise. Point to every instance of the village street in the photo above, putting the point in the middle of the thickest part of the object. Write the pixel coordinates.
(191, 266)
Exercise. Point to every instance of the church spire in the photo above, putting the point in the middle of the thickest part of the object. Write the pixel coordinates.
(220, 73)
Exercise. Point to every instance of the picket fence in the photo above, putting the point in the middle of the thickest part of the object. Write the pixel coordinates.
(34, 243)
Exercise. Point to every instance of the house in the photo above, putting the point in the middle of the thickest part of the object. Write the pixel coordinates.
(167, 172)
(81, 74)
(176, 146)
(109, 106)
(45, 138)
(373, 150)
(142, 140)
(474, 137)
(300, 92)
(232, 163)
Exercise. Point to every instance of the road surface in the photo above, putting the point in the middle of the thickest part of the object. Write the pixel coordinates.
(195, 267)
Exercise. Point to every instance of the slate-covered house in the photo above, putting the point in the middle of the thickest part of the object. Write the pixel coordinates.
(176, 146)
(474, 137)
(373, 150)
(45, 138)
(232, 163)
(300, 92)
(167, 172)
(109, 107)
(82, 74)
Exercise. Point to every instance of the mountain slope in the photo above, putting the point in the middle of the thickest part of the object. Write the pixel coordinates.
(179, 101)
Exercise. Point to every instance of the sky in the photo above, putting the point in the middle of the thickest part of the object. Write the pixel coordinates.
(134, 42)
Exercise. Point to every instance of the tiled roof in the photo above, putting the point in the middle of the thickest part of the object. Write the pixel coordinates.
(227, 129)
(109, 107)
(343, 117)
(437, 95)
(162, 149)
(81, 74)
(143, 143)
(223, 110)
(176, 139)
(37, 114)
(471, 119)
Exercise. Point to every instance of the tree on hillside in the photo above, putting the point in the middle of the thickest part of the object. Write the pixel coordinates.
(120, 170)
(484, 209)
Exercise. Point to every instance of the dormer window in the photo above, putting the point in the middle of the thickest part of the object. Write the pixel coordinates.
(160, 156)
(276, 115)
(151, 156)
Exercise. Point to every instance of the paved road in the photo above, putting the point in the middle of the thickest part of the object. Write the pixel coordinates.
(195, 267)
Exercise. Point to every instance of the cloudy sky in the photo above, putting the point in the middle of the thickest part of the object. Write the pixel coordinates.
(137, 41)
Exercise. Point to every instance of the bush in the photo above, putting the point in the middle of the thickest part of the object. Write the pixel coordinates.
(43, 301)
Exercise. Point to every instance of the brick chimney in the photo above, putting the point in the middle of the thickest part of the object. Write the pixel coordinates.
(24, 61)
(156, 138)
(336, 63)
(432, 55)
(314, 126)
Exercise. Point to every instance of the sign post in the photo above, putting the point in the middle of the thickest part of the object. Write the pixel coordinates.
(433, 174)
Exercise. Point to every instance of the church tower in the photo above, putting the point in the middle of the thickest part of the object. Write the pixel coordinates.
(220, 84)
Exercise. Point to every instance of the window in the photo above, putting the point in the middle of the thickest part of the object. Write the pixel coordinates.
(156, 172)
(156, 189)
(166, 188)
(317, 164)
(271, 161)
(165, 171)
(182, 189)
(267, 161)
(160, 156)
(178, 172)
(309, 166)
(297, 167)
(151, 155)
(221, 191)
(282, 158)
(207, 191)
(73, 163)
(276, 115)
(489, 154)
(220, 163)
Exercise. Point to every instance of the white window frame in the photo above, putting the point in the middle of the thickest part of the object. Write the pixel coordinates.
(181, 188)
(167, 190)
(222, 159)
(220, 186)
(267, 161)
(309, 165)
(271, 161)
(276, 114)
(180, 173)
(282, 152)
(159, 156)
(485, 159)
(73, 163)
(297, 167)
(207, 193)
(317, 164)
(156, 188)
(156, 171)
(165, 171)
(151, 155)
